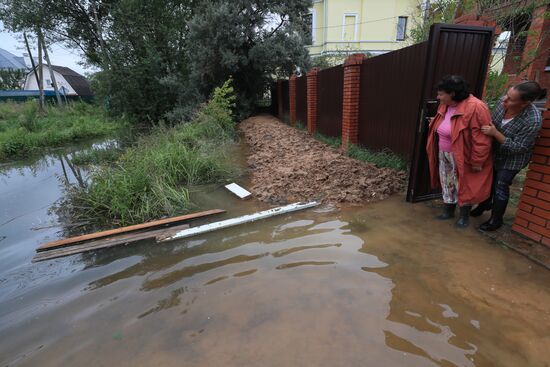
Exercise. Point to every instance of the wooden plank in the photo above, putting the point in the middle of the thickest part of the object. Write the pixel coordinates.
(238, 190)
(156, 223)
(240, 220)
(118, 240)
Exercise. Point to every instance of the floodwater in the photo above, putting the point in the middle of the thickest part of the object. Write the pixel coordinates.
(380, 285)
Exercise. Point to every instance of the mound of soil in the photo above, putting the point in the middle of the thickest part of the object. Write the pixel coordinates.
(288, 165)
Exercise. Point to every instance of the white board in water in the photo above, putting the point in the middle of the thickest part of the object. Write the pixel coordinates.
(237, 190)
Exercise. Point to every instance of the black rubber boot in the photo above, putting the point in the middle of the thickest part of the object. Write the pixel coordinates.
(495, 222)
(448, 212)
(464, 216)
(482, 207)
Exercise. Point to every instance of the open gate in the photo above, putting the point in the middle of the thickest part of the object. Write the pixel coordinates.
(452, 49)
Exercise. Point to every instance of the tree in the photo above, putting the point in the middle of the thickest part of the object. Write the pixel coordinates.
(12, 78)
(438, 11)
(253, 41)
(160, 58)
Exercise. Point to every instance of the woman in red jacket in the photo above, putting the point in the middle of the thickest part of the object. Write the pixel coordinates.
(459, 153)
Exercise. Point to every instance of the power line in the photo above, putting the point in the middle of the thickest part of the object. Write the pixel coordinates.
(368, 21)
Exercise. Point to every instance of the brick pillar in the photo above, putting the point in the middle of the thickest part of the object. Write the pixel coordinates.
(533, 213)
(312, 100)
(350, 113)
(292, 99)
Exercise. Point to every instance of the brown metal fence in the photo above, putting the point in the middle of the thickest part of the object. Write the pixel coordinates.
(391, 92)
(330, 95)
(286, 103)
(301, 100)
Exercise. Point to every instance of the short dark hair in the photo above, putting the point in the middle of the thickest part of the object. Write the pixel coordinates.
(454, 84)
(530, 91)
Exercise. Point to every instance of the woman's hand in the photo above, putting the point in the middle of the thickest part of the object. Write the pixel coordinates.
(489, 130)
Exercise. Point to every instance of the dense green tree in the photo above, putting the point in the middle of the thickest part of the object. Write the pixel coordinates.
(253, 41)
(160, 58)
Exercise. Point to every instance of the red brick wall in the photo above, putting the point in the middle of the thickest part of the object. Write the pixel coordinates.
(312, 100)
(533, 213)
(538, 38)
(292, 99)
(350, 113)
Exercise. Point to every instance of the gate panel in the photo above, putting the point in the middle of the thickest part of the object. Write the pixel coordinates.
(453, 49)
(330, 97)
(301, 100)
(391, 89)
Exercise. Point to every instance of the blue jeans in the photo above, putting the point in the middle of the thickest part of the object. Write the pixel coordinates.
(502, 179)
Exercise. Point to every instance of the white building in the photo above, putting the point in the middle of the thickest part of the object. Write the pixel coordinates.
(68, 81)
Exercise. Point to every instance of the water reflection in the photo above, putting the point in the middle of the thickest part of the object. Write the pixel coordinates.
(376, 286)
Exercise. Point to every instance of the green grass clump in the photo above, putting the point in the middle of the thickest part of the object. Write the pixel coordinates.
(334, 142)
(384, 158)
(300, 125)
(96, 156)
(24, 130)
(150, 179)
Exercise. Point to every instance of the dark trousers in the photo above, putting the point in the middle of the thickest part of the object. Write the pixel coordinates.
(502, 179)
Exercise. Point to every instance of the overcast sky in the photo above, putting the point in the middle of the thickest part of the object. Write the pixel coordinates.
(59, 55)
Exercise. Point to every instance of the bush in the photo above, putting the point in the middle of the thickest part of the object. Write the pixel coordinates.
(150, 179)
(495, 88)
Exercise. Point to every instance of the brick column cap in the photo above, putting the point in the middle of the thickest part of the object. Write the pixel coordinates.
(354, 59)
(313, 71)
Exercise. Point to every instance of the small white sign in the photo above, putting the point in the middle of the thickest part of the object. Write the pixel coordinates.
(237, 190)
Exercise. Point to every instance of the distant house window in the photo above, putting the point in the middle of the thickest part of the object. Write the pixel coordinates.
(349, 32)
(48, 83)
(401, 28)
(547, 68)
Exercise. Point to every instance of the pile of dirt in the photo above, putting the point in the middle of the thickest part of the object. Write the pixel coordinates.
(288, 165)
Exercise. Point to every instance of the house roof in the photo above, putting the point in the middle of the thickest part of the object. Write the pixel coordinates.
(78, 82)
(10, 61)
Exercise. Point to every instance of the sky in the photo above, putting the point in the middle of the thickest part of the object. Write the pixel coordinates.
(59, 55)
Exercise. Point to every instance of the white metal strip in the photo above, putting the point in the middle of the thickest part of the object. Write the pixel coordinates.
(240, 220)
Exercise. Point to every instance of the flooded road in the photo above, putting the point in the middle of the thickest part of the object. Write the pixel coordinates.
(379, 285)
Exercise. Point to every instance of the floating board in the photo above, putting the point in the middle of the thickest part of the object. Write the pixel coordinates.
(122, 239)
(239, 220)
(237, 190)
(156, 223)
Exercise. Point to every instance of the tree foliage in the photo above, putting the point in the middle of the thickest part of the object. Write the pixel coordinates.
(161, 58)
(12, 78)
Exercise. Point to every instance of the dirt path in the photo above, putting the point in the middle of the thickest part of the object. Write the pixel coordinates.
(288, 165)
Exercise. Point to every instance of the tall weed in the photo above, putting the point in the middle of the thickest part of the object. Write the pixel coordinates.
(150, 179)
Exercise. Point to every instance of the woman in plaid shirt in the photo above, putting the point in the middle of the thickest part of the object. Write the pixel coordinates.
(516, 124)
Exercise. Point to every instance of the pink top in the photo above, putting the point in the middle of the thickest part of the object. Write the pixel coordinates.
(444, 131)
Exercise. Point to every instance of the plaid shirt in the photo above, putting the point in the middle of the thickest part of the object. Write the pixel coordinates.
(520, 135)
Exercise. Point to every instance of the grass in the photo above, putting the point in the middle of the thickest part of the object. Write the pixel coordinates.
(384, 158)
(97, 156)
(24, 130)
(334, 142)
(300, 125)
(151, 179)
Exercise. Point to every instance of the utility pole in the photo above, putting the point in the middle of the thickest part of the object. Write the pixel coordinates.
(52, 75)
(30, 56)
(40, 73)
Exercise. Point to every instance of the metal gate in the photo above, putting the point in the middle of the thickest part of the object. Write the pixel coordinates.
(452, 49)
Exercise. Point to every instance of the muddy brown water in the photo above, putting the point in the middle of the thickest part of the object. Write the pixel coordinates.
(383, 284)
